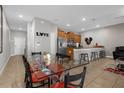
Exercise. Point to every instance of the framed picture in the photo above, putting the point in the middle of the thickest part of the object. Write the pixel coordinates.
(1, 29)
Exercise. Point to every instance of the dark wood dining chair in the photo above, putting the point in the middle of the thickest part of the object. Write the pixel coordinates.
(34, 78)
(68, 79)
(24, 58)
(62, 57)
(24, 62)
(36, 53)
(72, 78)
(37, 57)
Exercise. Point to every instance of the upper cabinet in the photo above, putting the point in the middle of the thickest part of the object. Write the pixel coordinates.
(62, 34)
(69, 36)
(77, 38)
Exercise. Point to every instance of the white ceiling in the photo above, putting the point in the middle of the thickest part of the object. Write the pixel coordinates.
(66, 14)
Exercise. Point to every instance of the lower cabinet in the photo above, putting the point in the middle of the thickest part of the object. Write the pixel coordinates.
(70, 52)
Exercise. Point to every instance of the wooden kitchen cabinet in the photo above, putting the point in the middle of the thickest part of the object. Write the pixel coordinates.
(62, 34)
(70, 35)
(65, 36)
(77, 38)
(70, 52)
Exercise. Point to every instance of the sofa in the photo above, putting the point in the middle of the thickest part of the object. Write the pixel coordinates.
(119, 52)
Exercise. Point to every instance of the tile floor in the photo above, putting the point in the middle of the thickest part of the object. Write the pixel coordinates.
(96, 77)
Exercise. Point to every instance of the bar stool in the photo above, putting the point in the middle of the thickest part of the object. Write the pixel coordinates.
(94, 55)
(84, 57)
(102, 54)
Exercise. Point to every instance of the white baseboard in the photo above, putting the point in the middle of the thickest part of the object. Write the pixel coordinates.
(110, 57)
(11, 54)
(4, 65)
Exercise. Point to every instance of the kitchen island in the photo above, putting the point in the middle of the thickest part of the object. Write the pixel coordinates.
(77, 52)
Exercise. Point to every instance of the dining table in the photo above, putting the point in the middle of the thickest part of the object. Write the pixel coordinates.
(52, 68)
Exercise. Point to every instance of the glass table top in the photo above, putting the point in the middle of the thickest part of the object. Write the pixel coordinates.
(51, 66)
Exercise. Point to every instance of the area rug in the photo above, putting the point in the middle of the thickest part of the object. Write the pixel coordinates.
(115, 70)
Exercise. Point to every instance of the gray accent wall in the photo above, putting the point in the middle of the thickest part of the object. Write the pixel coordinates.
(110, 37)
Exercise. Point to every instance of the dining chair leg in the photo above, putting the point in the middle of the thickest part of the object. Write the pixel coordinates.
(62, 60)
(49, 82)
(43, 82)
(27, 84)
(25, 77)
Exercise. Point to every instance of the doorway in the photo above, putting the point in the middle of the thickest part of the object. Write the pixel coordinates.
(19, 46)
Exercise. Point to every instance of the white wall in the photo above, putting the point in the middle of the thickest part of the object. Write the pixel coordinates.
(46, 43)
(17, 34)
(41, 43)
(110, 37)
(29, 39)
(4, 56)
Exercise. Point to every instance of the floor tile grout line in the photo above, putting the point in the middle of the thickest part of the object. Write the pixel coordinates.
(94, 79)
(18, 67)
(116, 81)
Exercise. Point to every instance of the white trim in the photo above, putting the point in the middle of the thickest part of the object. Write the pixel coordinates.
(4, 65)
(109, 57)
(12, 55)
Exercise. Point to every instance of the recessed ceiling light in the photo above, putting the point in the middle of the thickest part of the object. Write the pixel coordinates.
(98, 26)
(21, 16)
(82, 29)
(83, 19)
(67, 25)
(42, 22)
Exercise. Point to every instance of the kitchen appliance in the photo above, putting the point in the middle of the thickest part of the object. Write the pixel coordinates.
(61, 45)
